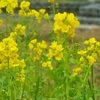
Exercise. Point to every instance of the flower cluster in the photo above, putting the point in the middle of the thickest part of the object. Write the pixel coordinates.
(21, 73)
(9, 57)
(76, 71)
(90, 53)
(1, 22)
(10, 5)
(65, 23)
(26, 11)
(20, 29)
(52, 1)
(47, 64)
(37, 49)
(59, 68)
(88, 56)
(8, 53)
(24, 8)
(55, 50)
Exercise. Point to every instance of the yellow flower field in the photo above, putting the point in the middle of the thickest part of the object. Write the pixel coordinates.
(32, 68)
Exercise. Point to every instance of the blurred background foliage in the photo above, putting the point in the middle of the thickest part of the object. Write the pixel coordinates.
(61, 1)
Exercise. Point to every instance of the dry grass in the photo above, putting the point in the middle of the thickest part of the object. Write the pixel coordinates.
(83, 34)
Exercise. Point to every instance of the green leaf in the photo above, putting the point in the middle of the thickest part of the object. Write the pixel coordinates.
(90, 98)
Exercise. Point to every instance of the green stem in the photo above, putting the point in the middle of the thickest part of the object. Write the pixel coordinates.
(87, 73)
(9, 82)
(84, 93)
(67, 86)
(37, 88)
(54, 10)
(6, 23)
(92, 75)
(83, 85)
(9, 90)
(15, 94)
(37, 73)
(66, 75)
(21, 92)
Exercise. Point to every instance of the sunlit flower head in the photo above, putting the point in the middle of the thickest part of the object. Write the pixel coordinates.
(51, 1)
(65, 23)
(1, 22)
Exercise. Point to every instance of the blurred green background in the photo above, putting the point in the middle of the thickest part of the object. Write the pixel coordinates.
(59, 0)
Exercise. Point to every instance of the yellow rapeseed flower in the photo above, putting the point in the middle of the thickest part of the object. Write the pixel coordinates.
(30, 46)
(37, 49)
(75, 74)
(34, 41)
(58, 56)
(53, 45)
(25, 5)
(3, 4)
(50, 54)
(10, 10)
(47, 64)
(9, 53)
(22, 63)
(42, 11)
(51, 1)
(91, 60)
(90, 53)
(58, 52)
(1, 22)
(92, 40)
(72, 20)
(82, 52)
(60, 16)
(65, 23)
(24, 8)
(55, 51)
(10, 5)
(20, 29)
(20, 77)
(47, 17)
(13, 35)
(76, 71)
(44, 64)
